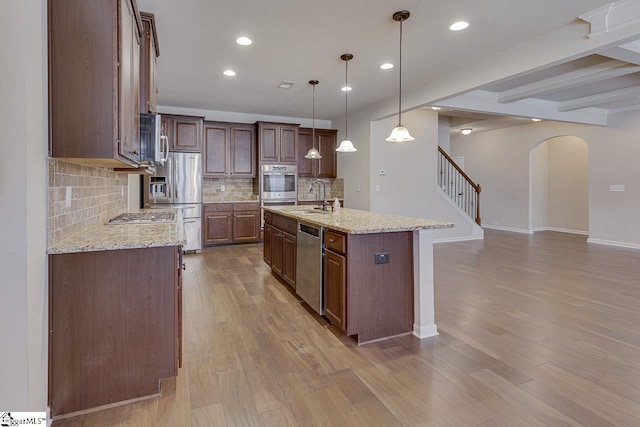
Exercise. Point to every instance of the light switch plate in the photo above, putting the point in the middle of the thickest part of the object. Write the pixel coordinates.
(381, 258)
(67, 197)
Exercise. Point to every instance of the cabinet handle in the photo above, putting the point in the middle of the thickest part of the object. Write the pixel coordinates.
(332, 240)
(184, 266)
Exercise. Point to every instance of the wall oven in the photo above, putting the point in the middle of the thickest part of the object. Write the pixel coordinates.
(279, 183)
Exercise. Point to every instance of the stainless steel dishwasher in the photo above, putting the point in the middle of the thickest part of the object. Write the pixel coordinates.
(309, 265)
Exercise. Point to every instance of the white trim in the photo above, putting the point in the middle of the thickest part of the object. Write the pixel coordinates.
(562, 230)
(457, 239)
(612, 17)
(614, 243)
(513, 230)
(425, 331)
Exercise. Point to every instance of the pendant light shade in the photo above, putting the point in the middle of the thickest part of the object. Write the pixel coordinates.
(400, 133)
(346, 146)
(313, 153)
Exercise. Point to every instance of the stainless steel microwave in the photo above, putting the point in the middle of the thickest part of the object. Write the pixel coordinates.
(279, 182)
(154, 145)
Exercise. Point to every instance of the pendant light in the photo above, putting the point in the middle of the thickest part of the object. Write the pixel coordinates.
(313, 153)
(400, 133)
(346, 146)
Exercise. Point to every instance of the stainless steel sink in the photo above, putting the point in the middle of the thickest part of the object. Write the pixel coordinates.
(312, 211)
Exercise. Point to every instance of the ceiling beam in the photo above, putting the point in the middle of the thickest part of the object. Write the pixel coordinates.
(599, 99)
(602, 71)
(628, 52)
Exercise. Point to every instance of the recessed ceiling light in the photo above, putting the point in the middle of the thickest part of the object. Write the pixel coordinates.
(537, 120)
(244, 41)
(346, 88)
(436, 108)
(286, 84)
(229, 73)
(460, 25)
(386, 66)
(466, 131)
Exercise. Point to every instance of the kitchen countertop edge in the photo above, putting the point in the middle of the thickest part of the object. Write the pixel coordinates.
(353, 221)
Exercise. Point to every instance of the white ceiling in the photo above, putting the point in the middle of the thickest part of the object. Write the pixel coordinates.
(302, 40)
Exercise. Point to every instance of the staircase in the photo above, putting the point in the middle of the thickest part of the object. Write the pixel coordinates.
(458, 186)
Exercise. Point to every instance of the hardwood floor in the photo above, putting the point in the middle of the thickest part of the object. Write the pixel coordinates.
(534, 331)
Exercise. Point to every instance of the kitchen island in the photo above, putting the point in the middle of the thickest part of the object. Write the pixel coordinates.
(378, 268)
(115, 314)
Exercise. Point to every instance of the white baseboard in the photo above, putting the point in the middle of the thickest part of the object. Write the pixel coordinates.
(614, 243)
(457, 239)
(513, 230)
(562, 230)
(425, 331)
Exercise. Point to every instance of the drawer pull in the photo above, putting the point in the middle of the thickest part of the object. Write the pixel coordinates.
(332, 240)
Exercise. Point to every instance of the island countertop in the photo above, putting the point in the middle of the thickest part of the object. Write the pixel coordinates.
(105, 237)
(354, 221)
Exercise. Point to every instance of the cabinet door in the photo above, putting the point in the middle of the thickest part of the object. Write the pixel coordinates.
(127, 40)
(289, 259)
(152, 76)
(187, 134)
(335, 288)
(216, 149)
(246, 226)
(178, 311)
(266, 252)
(326, 144)
(243, 151)
(305, 142)
(269, 143)
(288, 144)
(277, 243)
(217, 227)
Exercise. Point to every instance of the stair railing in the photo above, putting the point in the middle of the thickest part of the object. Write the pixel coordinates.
(460, 188)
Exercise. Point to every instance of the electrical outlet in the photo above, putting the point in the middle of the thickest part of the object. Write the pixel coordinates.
(358, 188)
(377, 187)
(222, 188)
(381, 258)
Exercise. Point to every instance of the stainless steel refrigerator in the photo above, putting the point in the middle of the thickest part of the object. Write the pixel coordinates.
(178, 184)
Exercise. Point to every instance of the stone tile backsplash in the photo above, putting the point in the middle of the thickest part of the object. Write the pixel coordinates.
(335, 188)
(97, 194)
(235, 189)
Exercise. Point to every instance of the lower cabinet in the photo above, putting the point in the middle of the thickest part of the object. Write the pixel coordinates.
(114, 325)
(231, 223)
(335, 287)
(280, 246)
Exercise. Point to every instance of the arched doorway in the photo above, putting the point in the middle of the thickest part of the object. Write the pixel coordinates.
(559, 185)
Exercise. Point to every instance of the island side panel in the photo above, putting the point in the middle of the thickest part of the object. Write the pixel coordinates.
(379, 296)
(112, 326)
(424, 306)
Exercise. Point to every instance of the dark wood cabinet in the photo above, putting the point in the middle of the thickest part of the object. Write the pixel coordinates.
(149, 52)
(94, 82)
(280, 246)
(231, 223)
(325, 142)
(277, 142)
(289, 258)
(184, 132)
(335, 287)
(229, 150)
(114, 325)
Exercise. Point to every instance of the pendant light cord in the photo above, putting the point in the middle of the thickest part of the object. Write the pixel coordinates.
(346, 97)
(313, 118)
(400, 76)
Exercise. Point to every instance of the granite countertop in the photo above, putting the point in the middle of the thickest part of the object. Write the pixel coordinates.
(355, 221)
(106, 237)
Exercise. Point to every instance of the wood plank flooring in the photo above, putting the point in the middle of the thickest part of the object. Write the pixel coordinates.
(536, 330)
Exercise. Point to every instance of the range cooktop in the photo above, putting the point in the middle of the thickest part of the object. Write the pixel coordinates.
(143, 218)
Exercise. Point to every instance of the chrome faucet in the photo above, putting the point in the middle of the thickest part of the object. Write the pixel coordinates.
(324, 192)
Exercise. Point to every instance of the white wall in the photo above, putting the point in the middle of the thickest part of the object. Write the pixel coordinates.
(23, 213)
(499, 161)
(568, 181)
(540, 186)
(410, 185)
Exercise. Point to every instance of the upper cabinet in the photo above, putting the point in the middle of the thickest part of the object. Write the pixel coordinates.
(184, 132)
(229, 150)
(94, 84)
(325, 142)
(149, 52)
(277, 142)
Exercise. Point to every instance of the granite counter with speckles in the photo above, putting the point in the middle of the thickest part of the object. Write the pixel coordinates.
(107, 237)
(353, 221)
